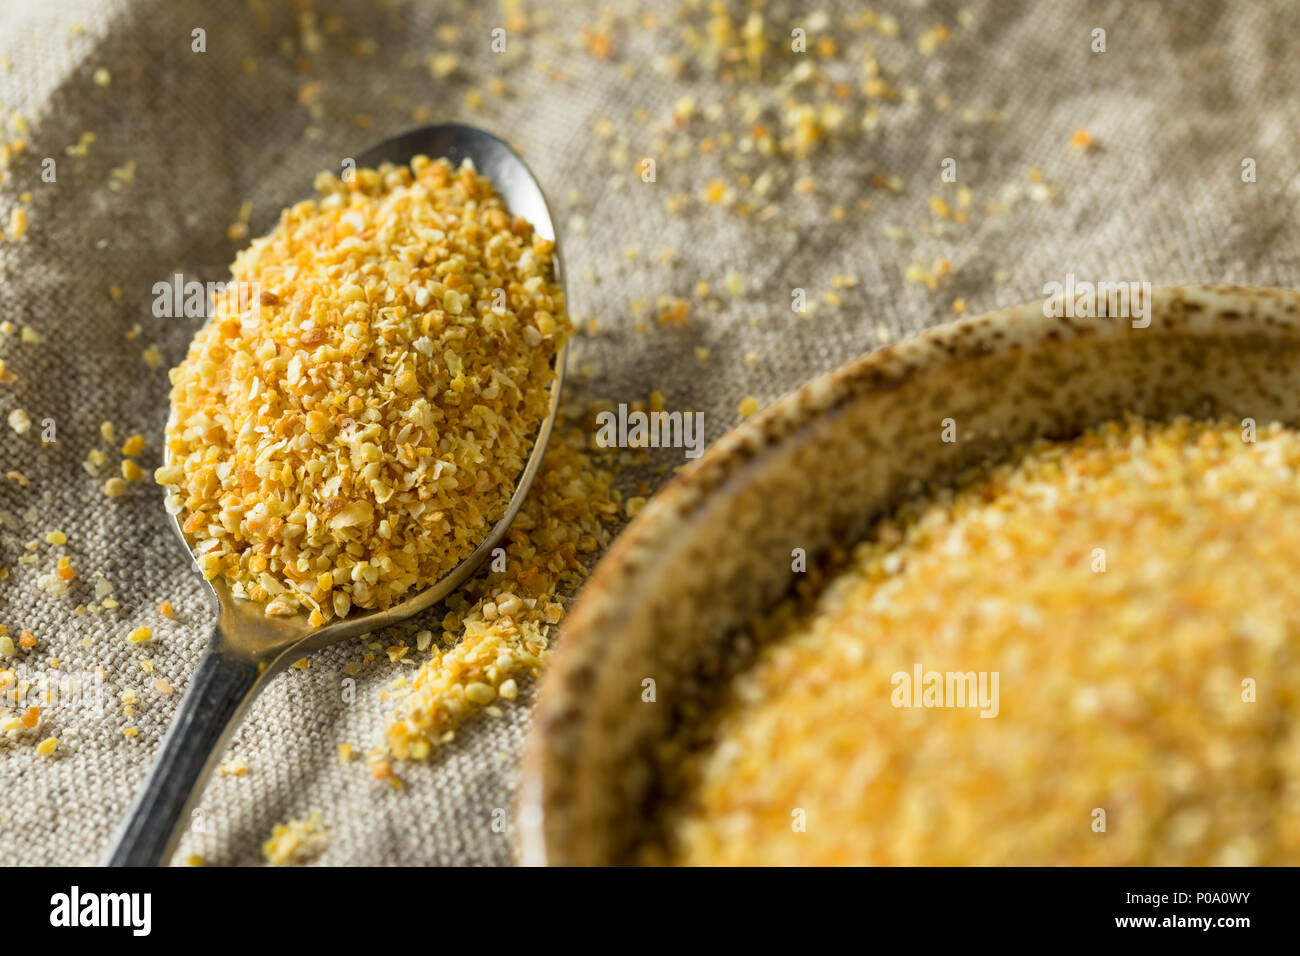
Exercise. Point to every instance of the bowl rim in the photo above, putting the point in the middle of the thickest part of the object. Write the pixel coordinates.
(1198, 310)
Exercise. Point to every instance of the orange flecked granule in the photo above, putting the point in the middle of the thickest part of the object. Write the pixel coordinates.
(31, 716)
(675, 313)
(597, 43)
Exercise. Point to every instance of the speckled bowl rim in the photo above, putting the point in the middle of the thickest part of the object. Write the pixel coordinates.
(1199, 310)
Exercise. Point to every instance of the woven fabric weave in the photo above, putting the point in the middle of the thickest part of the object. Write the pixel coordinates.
(1182, 96)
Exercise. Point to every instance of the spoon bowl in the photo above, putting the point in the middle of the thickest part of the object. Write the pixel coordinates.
(248, 648)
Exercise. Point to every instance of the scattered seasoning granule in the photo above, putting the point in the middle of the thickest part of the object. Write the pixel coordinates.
(165, 609)
(20, 421)
(748, 406)
(674, 312)
(1129, 588)
(353, 430)
(47, 746)
(295, 841)
(140, 635)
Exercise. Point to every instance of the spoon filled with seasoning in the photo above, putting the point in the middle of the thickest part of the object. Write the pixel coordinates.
(356, 425)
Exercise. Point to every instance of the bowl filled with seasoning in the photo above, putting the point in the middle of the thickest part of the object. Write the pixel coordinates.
(1017, 591)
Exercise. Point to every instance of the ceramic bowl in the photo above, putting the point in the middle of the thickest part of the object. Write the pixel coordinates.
(819, 467)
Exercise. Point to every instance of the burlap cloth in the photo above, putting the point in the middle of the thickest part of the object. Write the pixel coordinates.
(1176, 103)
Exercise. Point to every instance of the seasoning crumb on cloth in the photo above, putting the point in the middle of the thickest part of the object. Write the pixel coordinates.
(352, 420)
(296, 841)
(1129, 589)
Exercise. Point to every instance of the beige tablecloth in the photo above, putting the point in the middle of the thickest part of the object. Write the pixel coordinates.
(864, 224)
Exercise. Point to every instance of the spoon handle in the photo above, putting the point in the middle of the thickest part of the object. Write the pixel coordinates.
(222, 688)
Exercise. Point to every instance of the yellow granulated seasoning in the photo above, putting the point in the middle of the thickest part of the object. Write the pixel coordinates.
(140, 635)
(748, 406)
(295, 841)
(133, 445)
(497, 627)
(1136, 593)
(352, 420)
(47, 746)
(130, 470)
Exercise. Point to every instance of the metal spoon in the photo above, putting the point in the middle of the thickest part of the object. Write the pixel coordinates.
(248, 649)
